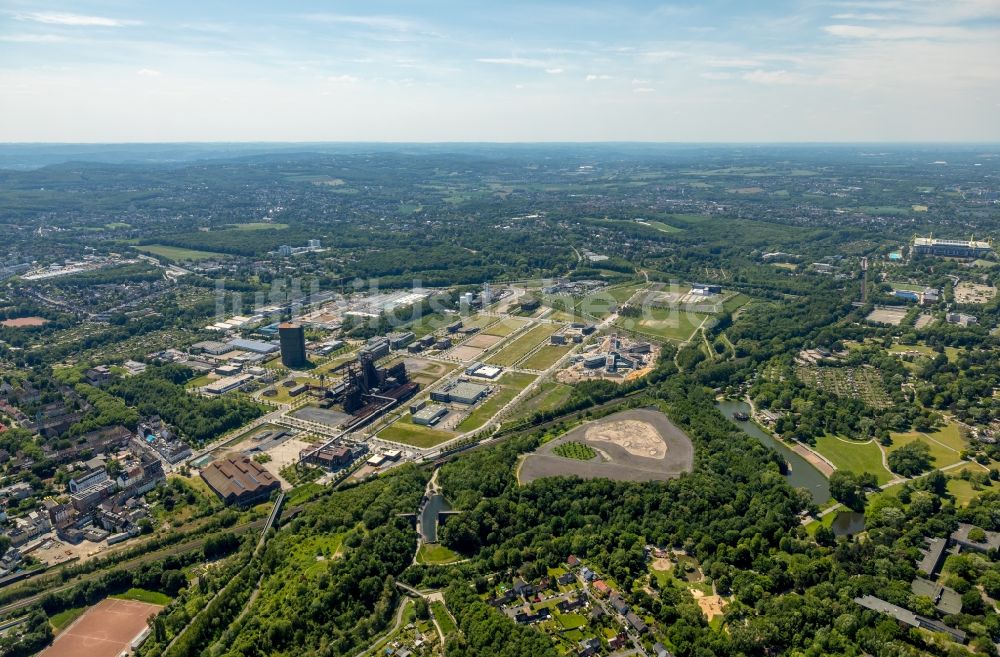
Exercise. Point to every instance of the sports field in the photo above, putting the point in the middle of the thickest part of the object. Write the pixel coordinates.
(105, 630)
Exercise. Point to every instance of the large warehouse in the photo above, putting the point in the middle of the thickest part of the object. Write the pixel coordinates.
(238, 480)
(462, 392)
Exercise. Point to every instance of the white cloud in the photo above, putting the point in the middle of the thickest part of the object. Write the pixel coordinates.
(343, 79)
(639, 81)
(851, 16)
(592, 77)
(897, 32)
(73, 20)
(553, 71)
(643, 90)
(386, 23)
(148, 73)
(716, 75)
(516, 61)
(33, 38)
(659, 55)
(772, 77)
(732, 63)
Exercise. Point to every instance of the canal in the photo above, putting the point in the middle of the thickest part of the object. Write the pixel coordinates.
(801, 473)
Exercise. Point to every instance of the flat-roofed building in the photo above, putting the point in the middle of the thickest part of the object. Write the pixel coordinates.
(212, 347)
(256, 346)
(467, 393)
(429, 415)
(951, 248)
(240, 481)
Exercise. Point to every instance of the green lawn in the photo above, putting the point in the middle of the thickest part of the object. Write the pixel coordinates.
(963, 490)
(64, 618)
(142, 595)
(666, 228)
(257, 225)
(942, 453)
(516, 350)
(443, 618)
(571, 621)
(511, 384)
(435, 554)
(177, 253)
(505, 327)
(907, 287)
(854, 456)
(548, 395)
(735, 302)
(545, 357)
(668, 323)
(601, 302)
(404, 431)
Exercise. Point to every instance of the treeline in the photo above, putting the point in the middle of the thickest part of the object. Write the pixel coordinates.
(329, 577)
(159, 391)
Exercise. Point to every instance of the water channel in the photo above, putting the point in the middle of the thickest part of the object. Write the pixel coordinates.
(801, 473)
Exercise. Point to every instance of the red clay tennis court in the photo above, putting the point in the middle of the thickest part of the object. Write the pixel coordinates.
(105, 630)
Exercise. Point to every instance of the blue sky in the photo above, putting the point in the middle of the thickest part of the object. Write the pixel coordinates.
(785, 70)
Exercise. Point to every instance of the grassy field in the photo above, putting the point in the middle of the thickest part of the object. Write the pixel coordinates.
(668, 323)
(257, 225)
(666, 228)
(177, 253)
(735, 302)
(944, 445)
(601, 302)
(545, 357)
(854, 456)
(548, 395)
(443, 618)
(435, 553)
(64, 618)
(505, 327)
(404, 431)
(142, 595)
(520, 347)
(571, 621)
(482, 321)
(964, 491)
(575, 450)
(511, 384)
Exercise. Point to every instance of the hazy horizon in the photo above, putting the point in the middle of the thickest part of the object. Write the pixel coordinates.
(783, 71)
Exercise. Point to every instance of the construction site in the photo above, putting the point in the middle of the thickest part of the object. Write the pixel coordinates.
(615, 358)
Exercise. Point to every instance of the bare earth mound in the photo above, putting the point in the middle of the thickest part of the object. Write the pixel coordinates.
(635, 437)
(634, 445)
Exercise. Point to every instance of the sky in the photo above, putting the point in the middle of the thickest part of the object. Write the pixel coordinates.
(500, 70)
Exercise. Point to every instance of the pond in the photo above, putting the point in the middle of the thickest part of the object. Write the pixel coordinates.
(801, 474)
(429, 516)
(848, 523)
